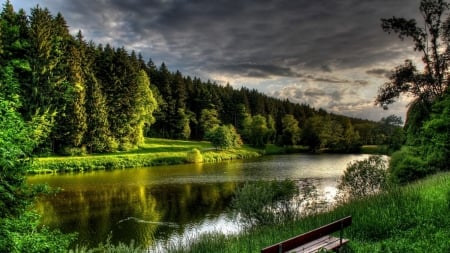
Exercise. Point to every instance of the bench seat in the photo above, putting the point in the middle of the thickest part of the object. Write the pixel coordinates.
(326, 242)
(314, 240)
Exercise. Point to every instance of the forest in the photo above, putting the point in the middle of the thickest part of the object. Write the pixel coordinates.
(61, 94)
(95, 98)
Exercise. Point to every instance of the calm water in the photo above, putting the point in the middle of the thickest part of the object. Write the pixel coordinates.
(153, 205)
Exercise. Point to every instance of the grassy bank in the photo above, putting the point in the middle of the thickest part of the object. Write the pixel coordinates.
(413, 218)
(154, 152)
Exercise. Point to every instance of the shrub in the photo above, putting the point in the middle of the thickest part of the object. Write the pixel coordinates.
(75, 151)
(407, 165)
(363, 178)
(194, 156)
(23, 234)
(262, 203)
(224, 137)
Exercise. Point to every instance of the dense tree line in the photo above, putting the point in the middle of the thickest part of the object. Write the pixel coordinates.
(97, 98)
(94, 97)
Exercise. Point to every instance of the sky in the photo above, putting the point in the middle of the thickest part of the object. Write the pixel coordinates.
(330, 54)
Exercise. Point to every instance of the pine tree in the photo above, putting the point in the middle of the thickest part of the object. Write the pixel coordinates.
(144, 105)
(47, 88)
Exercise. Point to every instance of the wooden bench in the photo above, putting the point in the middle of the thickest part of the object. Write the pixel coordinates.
(315, 240)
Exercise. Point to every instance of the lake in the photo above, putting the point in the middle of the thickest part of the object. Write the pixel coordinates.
(171, 203)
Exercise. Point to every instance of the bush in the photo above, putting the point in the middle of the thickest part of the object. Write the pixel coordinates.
(75, 151)
(262, 203)
(23, 234)
(194, 156)
(224, 137)
(363, 178)
(407, 165)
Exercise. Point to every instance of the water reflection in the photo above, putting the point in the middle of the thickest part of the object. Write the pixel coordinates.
(138, 213)
(151, 205)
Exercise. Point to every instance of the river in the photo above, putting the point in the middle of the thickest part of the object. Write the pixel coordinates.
(153, 205)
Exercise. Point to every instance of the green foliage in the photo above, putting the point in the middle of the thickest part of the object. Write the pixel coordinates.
(407, 165)
(291, 131)
(391, 132)
(428, 146)
(224, 137)
(17, 140)
(194, 156)
(183, 126)
(71, 151)
(24, 234)
(427, 36)
(19, 230)
(412, 218)
(265, 203)
(363, 178)
(436, 136)
(328, 132)
(98, 137)
(349, 141)
(111, 248)
(257, 130)
(100, 97)
(209, 120)
(153, 153)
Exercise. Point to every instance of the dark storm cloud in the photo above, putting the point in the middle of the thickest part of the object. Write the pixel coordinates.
(208, 35)
(259, 70)
(383, 73)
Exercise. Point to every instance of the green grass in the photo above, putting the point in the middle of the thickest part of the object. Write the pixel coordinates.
(154, 152)
(374, 149)
(413, 218)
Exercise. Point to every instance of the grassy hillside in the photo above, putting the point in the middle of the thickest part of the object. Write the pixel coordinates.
(413, 218)
(153, 152)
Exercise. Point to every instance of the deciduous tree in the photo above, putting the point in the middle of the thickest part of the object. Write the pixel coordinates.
(291, 131)
(431, 39)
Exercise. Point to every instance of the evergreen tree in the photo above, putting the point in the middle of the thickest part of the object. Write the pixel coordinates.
(167, 116)
(209, 120)
(72, 120)
(144, 105)
(271, 129)
(48, 86)
(182, 130)
(98, 136)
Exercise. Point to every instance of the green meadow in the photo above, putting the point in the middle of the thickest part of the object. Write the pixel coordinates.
(154, 152)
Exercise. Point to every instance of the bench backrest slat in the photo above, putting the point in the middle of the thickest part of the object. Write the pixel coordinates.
(294, 242)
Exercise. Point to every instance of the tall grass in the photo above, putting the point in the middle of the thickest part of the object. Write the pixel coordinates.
(412, 218)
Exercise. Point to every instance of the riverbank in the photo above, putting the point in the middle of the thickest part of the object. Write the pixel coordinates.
(153, 153)
(412, 218)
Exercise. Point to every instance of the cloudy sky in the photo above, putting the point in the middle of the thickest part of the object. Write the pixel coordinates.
(330, 54)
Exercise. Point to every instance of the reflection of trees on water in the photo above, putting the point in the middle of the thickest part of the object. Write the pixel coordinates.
(132, 212)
